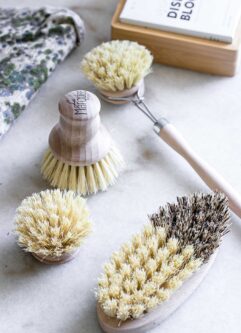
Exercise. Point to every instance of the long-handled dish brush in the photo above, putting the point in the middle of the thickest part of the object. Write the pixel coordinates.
(52, 224)
(149, 277)
(117, 69)
(82, 156)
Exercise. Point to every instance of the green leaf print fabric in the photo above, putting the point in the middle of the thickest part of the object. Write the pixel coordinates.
(32, 43)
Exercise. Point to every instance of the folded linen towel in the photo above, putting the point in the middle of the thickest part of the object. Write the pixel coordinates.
(32, 43)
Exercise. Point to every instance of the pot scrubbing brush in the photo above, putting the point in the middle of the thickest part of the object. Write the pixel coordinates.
(117, 69)
(52, 224)
(82, 156)
(117, 66)
(153, 274)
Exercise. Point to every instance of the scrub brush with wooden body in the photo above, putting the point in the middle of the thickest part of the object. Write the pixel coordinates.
(149, 277)
(82, 156)
(117, 69)
(51, 225)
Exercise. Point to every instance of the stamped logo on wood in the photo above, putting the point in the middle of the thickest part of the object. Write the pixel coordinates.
(78, 101)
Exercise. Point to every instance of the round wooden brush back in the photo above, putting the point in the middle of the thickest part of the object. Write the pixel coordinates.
(79, 138)
(127, 93)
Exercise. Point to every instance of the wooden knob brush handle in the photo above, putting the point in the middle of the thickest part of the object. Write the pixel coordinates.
(209, 175)
(79, 138)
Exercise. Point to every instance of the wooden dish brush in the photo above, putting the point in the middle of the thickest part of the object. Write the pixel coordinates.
(81, 156)
(149, 277)
(52, 224)
(117, 69)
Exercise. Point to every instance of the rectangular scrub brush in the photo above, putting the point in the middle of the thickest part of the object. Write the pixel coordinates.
(136, 290)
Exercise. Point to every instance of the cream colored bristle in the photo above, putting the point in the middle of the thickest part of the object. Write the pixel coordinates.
(145, 272)
(82, 179)
(52, 223)
(117, 65)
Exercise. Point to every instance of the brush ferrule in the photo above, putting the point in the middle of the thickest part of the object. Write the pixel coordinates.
(159, 124)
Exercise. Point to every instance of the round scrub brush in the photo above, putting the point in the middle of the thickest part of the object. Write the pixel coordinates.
(117, 66)
(117, 69)
(81, 156)
(136, 291)
(51, 225)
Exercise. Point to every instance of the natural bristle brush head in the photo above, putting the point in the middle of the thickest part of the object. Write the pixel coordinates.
(82, 156)
(52, 224)
(145, 272)
(117, 68)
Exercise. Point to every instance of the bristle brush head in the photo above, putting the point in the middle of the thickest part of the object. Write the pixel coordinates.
(82, 156)
(51, 225)
(147, 270)
(201, 220)
(117, 66)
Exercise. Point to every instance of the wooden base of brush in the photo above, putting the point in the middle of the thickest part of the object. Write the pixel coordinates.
(66, 257)
(179, 50)
(154, 318)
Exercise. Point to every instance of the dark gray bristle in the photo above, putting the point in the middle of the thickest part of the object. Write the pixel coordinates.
(200, 220)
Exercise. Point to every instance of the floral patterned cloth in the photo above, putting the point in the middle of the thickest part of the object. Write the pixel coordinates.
(32, 43)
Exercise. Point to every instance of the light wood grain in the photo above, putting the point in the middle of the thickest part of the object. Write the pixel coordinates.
(109, 96)
(208, 174)
(179, 50)
(155, 317)
(79, 139)
(169, 134)
(50, 260)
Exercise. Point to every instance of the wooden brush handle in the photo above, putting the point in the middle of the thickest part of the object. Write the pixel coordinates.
(79, 138)
(209, 175)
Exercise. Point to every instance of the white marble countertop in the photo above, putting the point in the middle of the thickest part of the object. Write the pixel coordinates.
(36, 298)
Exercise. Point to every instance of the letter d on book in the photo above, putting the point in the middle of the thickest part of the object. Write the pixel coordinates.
(172, 14)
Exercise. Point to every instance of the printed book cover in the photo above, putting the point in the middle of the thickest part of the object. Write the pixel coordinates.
(214, 20)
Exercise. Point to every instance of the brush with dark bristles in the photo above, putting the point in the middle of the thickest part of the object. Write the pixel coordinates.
(117, 69)
(136, 290)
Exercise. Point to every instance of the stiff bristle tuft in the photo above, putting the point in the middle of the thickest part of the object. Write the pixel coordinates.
(82, 179)
(146, 271)
(52, 223)
(117, 65)
(200, 219)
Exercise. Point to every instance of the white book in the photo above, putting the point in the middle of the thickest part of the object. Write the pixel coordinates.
(210, 19)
